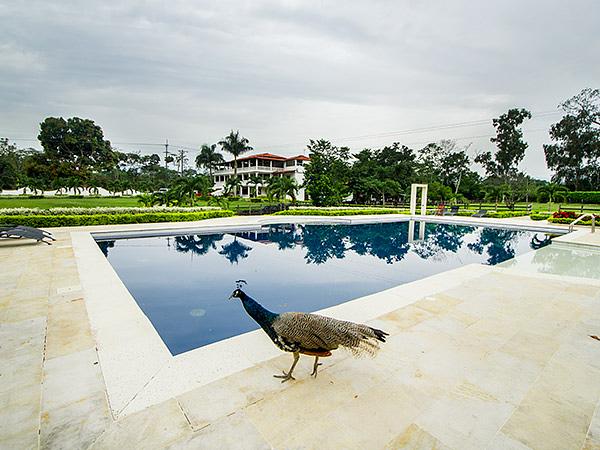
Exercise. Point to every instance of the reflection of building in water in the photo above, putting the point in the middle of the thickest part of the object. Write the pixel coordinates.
(261, 237)
(277, 234)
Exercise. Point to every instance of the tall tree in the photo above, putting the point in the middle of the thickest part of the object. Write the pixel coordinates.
(504, 162)
(575, 155)
(208, 158)
(235, 145)
(326, 176)
(75, 146)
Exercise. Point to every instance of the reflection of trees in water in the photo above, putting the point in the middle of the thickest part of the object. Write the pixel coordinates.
(323, 242)
(285, 236)
(384, 241)
(198, 245)
(105, 245)
(498, 243)
(387, 242)
(234, 251)
(439, 239)
(538, 242)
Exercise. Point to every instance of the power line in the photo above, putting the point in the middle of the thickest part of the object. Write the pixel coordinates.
(397, 133)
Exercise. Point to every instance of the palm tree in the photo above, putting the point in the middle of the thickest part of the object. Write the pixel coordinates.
(255, 180)
(187, 188)
(219, 200)
(281, 187)
(494, 192)
(553, 190)
(235, 145)
(231, 185)
(146, 200)
(209, 158)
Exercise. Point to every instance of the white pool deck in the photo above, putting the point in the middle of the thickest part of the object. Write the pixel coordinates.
(478, 357)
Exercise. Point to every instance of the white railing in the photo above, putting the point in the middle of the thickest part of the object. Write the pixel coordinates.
(261, 169)
(580, 218)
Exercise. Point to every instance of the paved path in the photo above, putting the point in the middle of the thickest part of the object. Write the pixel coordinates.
(502, 361)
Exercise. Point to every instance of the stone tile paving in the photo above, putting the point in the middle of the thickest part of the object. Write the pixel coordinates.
(505, 362)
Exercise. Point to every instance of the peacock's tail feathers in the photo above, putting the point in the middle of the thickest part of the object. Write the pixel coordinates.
(312, 331)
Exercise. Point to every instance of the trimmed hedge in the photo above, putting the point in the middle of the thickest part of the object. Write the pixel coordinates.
(567, 221)
(540, 216)
(358, 211)
(494, 214)
(110, 219)
(584, 196)
(338, 212)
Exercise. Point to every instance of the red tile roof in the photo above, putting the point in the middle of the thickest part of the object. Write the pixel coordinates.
(271, 156)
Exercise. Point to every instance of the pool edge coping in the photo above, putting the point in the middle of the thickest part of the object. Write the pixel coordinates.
(139, 371)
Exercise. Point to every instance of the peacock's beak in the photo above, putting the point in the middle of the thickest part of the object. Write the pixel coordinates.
(230, 297)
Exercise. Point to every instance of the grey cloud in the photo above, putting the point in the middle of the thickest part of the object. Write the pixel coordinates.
(284, 72)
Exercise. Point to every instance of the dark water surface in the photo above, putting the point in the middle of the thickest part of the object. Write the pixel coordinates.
(182, 282)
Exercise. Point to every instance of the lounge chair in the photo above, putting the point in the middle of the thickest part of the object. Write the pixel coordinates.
(23, 232)
(453, 211)
(440, 209)
(480, 213)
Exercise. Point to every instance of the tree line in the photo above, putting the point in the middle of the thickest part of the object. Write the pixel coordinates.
(76, 156)
(385, 174)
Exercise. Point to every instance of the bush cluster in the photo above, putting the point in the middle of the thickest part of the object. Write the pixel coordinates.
(565, 215)
(109, 219)
(338, 212)
(584, 196)
(75, 211)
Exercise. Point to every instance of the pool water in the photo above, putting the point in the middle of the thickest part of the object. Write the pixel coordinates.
(182, 283)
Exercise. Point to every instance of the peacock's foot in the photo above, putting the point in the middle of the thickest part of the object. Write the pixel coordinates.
(314, 372)
(285, 377)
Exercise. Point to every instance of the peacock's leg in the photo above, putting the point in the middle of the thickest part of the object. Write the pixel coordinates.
(288, 376)
(317, 364)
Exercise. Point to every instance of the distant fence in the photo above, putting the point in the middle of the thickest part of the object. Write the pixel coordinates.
(257, 210)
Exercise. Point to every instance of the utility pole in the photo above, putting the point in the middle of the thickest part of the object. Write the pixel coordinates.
(181, 159)
(166, 152)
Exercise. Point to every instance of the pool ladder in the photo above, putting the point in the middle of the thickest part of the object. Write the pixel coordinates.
(581, 218)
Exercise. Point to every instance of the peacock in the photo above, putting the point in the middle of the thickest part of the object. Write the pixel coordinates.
(310, 334)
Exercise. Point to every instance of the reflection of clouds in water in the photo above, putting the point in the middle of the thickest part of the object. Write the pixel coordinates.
(198, 312)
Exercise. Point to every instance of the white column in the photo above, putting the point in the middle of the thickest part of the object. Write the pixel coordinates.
(423, 199)
(411, 230)
(413, 199)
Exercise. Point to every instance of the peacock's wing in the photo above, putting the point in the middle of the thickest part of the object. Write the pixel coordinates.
(312, 332)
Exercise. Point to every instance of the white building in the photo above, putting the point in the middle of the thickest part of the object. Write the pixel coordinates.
(264, 165)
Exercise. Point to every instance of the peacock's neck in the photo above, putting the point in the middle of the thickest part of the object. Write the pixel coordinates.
(261, 315)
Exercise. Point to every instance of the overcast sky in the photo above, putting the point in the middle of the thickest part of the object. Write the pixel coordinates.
(285, 72)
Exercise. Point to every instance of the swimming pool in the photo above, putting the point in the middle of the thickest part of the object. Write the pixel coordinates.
(182, 282)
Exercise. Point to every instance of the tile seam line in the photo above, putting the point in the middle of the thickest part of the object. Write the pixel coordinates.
(587, 433)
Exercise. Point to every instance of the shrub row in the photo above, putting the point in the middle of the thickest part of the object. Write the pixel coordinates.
(494, 214)
(566, 221)
(110, 219)
(335, 211)
(584, 197)
(74, 211)
(338, 212)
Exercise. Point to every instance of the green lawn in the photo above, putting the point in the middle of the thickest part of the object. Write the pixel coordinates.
(62, 202)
